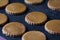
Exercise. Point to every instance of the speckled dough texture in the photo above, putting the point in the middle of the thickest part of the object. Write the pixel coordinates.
(34, 35)
(13, 29)
(54, 4)
(3, 3)
(3, 19)
(15, 8)
(53, 26)
(35, 18)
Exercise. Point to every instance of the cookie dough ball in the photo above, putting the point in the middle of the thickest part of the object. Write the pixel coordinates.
(3, 3)
(3, 19)
(34, 35)
(54, 4)
(15, 8)
(53, 26)
(33, 1)
(13, 29)
(35, 18)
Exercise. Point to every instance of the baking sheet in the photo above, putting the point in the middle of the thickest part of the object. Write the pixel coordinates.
(20, 18)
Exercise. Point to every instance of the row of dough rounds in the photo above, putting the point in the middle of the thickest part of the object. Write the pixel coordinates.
(32, 18)
(18, 8)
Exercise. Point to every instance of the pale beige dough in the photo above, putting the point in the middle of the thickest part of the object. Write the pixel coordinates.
(35, 17)
(54, 4)
(33, 1)
(15, 8)
(3, 19)
(13, 29)
(34, 35)
(3, 3)
(53, 26)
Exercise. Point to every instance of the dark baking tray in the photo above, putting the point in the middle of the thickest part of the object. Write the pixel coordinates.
(20, 18)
